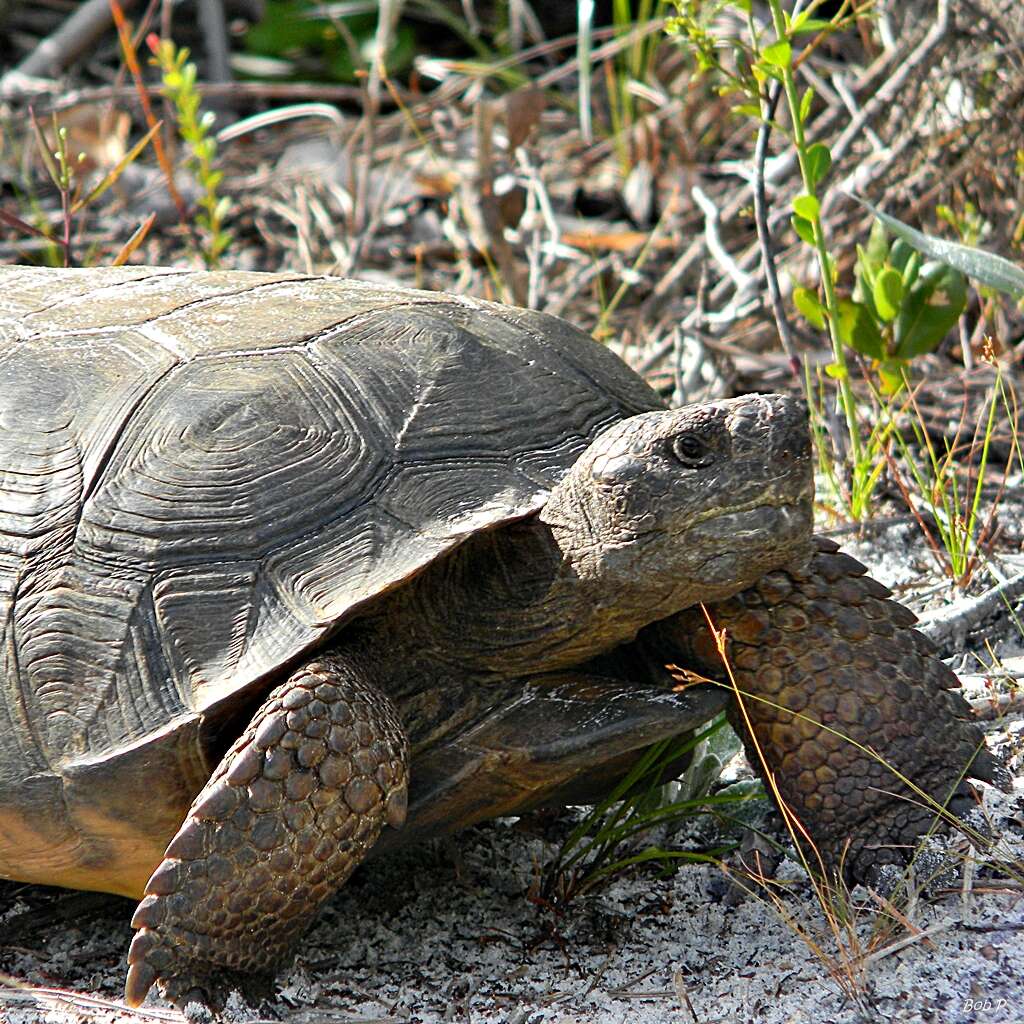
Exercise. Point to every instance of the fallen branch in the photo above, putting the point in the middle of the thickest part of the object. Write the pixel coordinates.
(999, 704)
(76, 36)
(950, 625)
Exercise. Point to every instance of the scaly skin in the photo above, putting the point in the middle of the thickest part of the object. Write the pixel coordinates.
(834, 671)
(292, 809)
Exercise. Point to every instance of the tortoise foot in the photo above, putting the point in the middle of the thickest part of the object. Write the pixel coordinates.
(292, 809)
(880, 850)
(846, 711)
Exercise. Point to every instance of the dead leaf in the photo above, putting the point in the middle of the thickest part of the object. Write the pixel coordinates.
(523, 109)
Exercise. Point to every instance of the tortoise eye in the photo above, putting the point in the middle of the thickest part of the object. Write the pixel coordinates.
(690, 450)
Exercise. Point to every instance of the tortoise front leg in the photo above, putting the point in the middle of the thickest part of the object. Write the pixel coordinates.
(844, 698)
(291, 810)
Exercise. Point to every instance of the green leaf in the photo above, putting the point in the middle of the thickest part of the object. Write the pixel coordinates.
(857, 328)
(818, 162)
(810, 306)
(805, 104)
(890, 373)
(750, 109)
(779, 55)
(810, 25)
(977, 264)
(864, 278)
(807, 207)
(930, 310)
(911, 268)
(887, 293)
(836, 371)
(877, 251)
(803, 228)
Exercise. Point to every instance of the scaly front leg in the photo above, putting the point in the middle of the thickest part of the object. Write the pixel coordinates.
(844, 698)
(292, 809)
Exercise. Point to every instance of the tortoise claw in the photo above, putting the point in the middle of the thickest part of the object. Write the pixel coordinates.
(180, 979)
(141, 978)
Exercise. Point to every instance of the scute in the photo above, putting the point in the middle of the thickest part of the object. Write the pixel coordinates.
(229, 458)
(62, 409)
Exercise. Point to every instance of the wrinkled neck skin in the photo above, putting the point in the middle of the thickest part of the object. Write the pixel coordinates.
(513, 602)
(508, 606)
(475, 627)
(604, 580)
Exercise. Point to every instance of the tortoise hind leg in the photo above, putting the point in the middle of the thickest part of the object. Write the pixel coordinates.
(827, 659)
(293, 807)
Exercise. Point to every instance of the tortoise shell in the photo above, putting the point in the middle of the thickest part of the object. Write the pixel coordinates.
(203, 475)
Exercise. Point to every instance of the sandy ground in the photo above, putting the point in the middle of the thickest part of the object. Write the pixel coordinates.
(448, 933)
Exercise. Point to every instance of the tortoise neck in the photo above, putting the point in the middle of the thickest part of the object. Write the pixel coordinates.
(518, 600)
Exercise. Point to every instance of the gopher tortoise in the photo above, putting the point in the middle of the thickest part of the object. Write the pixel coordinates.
(285, 560)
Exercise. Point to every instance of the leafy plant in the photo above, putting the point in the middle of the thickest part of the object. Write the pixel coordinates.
(951, 486)
(901, 306)
(979, 265)
(179, 86)
(968, 223)
(760, 65)
(300, 38)
(872, 452)
(62, 168)
(625, 73)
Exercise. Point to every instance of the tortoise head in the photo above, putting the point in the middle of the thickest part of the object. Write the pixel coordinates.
(689, 505)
